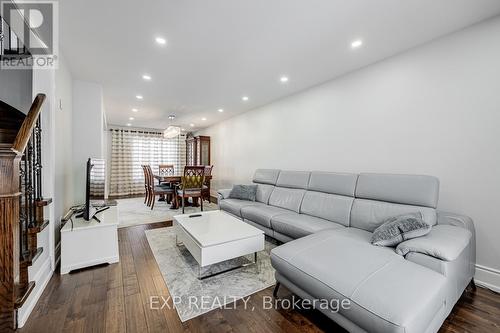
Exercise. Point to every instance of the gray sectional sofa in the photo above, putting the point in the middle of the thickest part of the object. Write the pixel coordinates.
(326, 221)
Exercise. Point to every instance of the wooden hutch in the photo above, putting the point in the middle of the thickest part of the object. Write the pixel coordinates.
(198, 150)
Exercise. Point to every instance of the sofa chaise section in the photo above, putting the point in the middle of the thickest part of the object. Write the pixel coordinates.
(386, 292)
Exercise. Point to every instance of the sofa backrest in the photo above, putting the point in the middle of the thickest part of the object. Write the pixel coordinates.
(289, 190)
(330, 196)
(265, 179)
(380, 196)
(362, 201)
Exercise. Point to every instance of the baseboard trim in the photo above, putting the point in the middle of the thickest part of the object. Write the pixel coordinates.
(41, 279)
(487, 277)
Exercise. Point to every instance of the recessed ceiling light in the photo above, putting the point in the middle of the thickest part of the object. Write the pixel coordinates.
(357, 43)
(146, 77)
(245, 98)
(161, 40)
(131, 118)
(221, 110)
(139, 97)
(203, 118)
(135, 110)
(284, 79)
(129, 124)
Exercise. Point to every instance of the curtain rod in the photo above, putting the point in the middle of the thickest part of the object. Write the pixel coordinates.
(133, 131)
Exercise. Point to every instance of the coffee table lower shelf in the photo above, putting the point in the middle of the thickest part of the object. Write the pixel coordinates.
(209, 255)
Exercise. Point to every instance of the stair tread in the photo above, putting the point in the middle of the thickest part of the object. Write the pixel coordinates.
(31, 256)
(38, 227)
(22, 293)
(43, 202)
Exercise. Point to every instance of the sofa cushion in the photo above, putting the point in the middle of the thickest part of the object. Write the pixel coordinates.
(370, 214)
(261, 213)
(403, 189)
(299, 225)
(400, 228)
(293, 179)
(266, 176)
(332, 207)
(234, 206)
(263, 193)
(387, 292)
(287, 198)
(333, 182)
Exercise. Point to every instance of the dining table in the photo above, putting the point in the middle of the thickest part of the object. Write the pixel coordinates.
(175, 179)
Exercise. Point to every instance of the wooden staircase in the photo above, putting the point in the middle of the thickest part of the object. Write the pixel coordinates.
(21, 206)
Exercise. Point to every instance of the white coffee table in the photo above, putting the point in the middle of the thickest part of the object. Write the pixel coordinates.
(215, 236)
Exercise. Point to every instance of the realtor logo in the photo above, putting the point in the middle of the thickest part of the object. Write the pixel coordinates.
(29, 34)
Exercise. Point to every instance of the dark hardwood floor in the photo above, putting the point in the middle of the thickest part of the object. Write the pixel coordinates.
(116, 298)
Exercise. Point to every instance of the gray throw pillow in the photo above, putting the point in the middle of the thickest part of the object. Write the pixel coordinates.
(400, 228)
(243, 192)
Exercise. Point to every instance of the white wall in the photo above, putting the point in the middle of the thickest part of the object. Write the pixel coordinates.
(433, 110)
(88, 132)
(15, 88)
(63, 144)
(72, 131)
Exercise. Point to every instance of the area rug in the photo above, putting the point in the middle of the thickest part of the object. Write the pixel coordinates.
(195, 297)
(133, 211)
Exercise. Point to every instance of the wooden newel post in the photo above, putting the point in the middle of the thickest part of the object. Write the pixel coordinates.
(9, 235)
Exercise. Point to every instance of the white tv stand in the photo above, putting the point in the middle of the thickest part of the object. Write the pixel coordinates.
(89, 243)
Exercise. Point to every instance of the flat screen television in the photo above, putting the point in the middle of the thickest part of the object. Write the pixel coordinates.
(88, 211)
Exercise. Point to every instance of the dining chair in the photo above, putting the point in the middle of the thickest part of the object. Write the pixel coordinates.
(206, 183)
(192, 184)
(166, 170)
(155, 190)
(146, 184)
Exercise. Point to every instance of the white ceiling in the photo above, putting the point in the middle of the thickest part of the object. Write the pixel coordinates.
(220, 50)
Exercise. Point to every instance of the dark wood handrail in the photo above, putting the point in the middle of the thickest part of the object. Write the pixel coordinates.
(29, 123)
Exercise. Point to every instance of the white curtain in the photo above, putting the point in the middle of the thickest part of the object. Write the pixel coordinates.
(131, 149)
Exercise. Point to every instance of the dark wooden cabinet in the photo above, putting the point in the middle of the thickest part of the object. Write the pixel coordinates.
(198, 150)
(203, 150)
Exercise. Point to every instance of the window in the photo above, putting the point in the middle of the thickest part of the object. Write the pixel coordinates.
(131, 149)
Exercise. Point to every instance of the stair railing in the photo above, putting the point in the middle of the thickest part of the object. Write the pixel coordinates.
(10, 44)
(21, 210)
